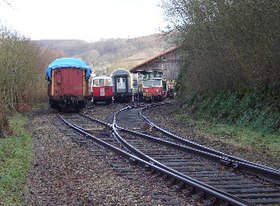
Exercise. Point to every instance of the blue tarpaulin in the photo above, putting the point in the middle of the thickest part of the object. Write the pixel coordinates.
(67, 63)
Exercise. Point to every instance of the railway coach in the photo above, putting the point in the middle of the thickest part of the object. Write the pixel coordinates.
(122, 85)
(102, 89)
(68, 84)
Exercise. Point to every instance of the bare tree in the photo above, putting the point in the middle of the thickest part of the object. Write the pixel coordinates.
(22, 67)
(231, 44)
(9, 3)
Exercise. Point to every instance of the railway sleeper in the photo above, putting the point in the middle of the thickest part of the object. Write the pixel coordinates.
(188, 191)
(210, 201)
(199, 196)
(265, 201)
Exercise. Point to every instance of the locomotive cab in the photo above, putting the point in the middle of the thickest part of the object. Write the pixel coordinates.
(153, 89)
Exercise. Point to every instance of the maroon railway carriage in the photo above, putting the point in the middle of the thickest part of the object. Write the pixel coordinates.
(68, 84)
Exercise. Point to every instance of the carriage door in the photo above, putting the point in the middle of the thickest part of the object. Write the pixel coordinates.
(102, 87)
(122, 84)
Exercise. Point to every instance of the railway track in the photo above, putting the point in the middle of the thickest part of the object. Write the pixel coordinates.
(208, 174)
(231, 161)
(101, 146)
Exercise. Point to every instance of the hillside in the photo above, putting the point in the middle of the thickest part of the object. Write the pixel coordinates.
(106, 55)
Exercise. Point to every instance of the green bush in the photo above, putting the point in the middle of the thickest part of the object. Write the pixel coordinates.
(257, 110)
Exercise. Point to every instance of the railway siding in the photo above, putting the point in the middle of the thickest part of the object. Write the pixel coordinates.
(68, 172)
(176, 163)
(244, 186)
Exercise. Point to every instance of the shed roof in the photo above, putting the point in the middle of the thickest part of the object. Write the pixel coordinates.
(137, 68)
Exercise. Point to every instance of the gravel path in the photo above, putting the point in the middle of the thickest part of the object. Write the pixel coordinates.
(65, 173)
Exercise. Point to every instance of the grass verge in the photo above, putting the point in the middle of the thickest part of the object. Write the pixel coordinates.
(236, 135)
(16, 155)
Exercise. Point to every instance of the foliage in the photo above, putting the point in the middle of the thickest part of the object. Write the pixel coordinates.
(22, 68)
(230, 44)
(231, 73)
(16, 155)
(236, 135)
(258, 110)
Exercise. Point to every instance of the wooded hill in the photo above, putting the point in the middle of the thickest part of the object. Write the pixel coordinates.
(111, 53)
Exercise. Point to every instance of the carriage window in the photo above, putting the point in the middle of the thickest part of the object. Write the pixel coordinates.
(147, 83)
(157, 83)
(135, 83)
(118, 80)
(107, 82)
(124, 80)
(101, 82)
(152, 83)
(94, 82)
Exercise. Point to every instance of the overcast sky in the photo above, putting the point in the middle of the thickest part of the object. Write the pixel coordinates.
(89, 20)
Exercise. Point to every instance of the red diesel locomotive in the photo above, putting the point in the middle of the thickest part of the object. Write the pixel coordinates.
(153, 89)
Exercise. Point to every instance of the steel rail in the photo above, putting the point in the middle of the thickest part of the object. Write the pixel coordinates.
(159, 164)
(244, 165)
(192, 150)
(196, 185)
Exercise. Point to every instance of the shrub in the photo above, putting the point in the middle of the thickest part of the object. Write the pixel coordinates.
(258, 110)
(4, 123)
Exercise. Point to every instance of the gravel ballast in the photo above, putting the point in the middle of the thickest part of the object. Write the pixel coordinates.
(65, 173)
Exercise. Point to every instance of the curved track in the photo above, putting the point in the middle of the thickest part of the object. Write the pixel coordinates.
(205, 172)
(226, 173)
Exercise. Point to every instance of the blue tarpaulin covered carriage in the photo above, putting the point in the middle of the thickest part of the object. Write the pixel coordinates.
(68, 83)
(67, 63)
